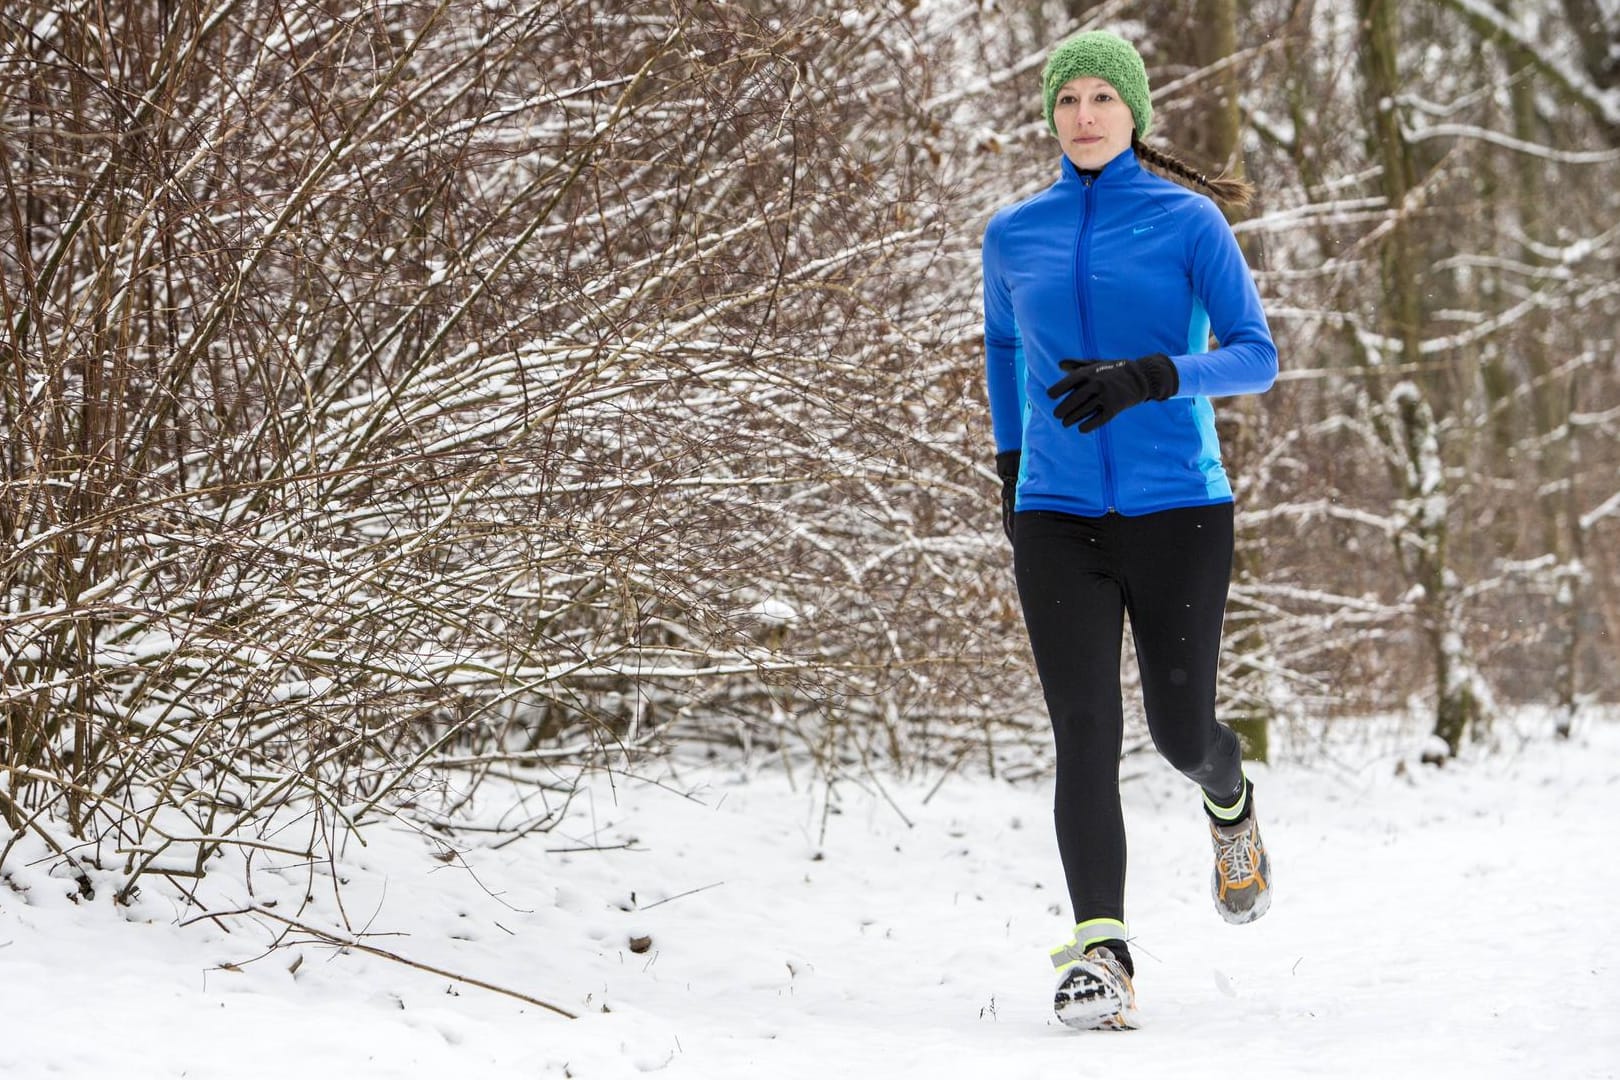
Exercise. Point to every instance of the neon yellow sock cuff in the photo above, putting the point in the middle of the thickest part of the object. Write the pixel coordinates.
(1229, 813)
(1086, 934)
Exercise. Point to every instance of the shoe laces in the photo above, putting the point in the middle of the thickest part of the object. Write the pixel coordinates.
(1113, 970)
(1236, 854)
(1103, 955)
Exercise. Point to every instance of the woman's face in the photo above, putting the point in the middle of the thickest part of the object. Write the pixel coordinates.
(1093, 122)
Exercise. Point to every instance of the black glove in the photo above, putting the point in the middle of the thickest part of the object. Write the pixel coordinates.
(1007, 468)
(1096, 391)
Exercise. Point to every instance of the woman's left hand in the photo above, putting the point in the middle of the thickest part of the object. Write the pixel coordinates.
(1096, 391)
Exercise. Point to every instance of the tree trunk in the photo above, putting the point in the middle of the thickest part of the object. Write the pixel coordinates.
(1403, 414)
(1215, 139)
(1550, 408)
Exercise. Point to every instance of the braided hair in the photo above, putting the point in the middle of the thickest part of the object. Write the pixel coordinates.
(1228, 191)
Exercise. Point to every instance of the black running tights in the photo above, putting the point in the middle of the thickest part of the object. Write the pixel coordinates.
(1077, 579)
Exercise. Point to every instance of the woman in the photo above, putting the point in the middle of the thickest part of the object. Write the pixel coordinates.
(1100, 296)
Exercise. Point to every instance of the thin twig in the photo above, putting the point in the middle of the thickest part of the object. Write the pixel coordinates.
(347, 942)
(679, 896)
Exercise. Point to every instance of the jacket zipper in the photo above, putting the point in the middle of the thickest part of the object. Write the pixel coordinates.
(1082, 274)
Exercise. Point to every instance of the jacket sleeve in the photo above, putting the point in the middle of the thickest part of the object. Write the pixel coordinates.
(1003, 349)
(1246, 361)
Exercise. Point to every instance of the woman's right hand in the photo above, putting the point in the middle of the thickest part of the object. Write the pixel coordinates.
(1007, 463)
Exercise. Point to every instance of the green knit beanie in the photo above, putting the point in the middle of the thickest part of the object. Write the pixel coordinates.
(1103, 56)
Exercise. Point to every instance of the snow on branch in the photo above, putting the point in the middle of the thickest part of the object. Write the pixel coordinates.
(1492, 23)
(1508, 142)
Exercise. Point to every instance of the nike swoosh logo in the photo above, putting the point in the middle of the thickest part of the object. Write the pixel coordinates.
(1140, 229)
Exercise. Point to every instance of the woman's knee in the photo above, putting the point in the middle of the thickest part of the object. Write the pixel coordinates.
(1200, 754)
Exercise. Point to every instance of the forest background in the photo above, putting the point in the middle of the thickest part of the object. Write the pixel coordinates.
(402, 390)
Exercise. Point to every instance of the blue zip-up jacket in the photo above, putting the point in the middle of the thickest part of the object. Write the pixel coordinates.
(1117, 266)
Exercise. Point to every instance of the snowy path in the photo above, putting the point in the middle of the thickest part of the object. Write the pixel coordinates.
(1455, 923)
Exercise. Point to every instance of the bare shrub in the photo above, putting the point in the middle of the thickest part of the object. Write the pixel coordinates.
(456, 385)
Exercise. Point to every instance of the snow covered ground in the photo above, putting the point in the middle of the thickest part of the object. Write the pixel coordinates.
(1434, 923)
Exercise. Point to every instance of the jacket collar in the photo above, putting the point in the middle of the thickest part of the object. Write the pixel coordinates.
(1119, 168)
